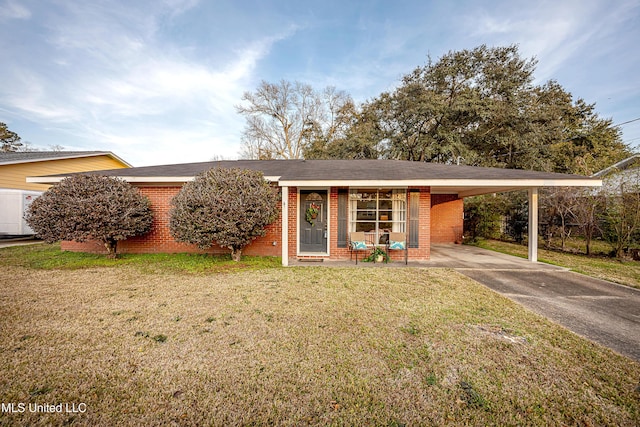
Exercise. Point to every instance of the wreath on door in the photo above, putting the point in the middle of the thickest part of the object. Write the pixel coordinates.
(312, 213)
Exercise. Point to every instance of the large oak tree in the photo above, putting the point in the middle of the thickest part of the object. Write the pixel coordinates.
(480, 107)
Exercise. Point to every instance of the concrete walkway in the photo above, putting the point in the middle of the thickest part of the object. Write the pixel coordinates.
(602, 311)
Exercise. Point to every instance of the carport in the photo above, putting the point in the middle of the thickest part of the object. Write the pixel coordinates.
(504, 184)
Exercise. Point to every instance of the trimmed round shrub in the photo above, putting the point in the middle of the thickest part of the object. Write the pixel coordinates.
(90, 207)
(227, 207)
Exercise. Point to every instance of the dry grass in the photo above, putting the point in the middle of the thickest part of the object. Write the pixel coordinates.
(298, 346)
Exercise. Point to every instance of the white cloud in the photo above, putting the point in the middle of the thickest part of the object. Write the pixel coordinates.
(111, 84)
(556, 33)
(12, 10)
(178, 7)
(145, 145)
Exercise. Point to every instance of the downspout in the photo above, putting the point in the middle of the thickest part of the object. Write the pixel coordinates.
(285, 226)
(533, 224)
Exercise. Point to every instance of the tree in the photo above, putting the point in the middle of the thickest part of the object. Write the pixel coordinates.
(587, 143)
(90, 207)
(558, 205)
(10, 140)
(230, 207)
(481, 107)
(482, 217)
(586, 209)
(283, 118)
(454, 108)
(355, 135)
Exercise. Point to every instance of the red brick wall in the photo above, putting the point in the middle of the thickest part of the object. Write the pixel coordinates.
(159, 239)
(447, 218)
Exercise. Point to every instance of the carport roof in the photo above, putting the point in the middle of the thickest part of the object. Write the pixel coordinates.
(449, 179)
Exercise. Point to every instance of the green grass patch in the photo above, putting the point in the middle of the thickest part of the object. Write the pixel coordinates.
(296, 346)
(50, 257)
(619, 271)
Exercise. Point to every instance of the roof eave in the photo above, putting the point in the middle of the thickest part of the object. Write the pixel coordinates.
(461, 187)
(445, 182)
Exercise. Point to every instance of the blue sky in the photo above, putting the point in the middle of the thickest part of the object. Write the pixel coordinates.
(156, 81)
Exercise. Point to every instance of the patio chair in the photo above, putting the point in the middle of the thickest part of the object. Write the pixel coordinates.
(357, 242)
(398, 242)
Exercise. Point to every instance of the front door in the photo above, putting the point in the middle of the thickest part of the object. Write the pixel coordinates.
(313, 221)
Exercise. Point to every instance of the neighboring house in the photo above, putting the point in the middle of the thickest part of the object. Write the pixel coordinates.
(621, 187)
(16, 193)
(628, 164)
(625, 172)
(423, 200)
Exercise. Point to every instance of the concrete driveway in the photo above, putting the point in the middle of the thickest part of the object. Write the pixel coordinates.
(5, 243)
(602, 311)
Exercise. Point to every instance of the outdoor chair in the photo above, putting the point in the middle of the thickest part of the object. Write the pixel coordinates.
(398, 242)
(357, 242)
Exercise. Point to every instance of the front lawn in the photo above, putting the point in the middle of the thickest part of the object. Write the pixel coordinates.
(294, 346)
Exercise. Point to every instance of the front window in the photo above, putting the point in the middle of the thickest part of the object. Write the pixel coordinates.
(378, 212)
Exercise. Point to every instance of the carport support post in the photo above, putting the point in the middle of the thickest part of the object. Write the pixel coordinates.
(533, 224)
(285, 226)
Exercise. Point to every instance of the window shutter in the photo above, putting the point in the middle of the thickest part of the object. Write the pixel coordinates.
(414, 218)
(343, 203)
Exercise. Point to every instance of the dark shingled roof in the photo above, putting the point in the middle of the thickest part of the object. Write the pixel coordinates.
(347, 170)
(10, 157)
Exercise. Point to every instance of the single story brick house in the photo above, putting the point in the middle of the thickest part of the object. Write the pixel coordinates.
(422, 200)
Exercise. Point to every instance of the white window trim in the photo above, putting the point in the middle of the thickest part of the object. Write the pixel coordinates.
(352, 222)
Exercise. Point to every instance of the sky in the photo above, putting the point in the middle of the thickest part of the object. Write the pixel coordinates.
(158, 81)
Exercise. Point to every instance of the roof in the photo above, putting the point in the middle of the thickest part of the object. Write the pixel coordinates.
(620, 166)
(13, 157)
(449, 179)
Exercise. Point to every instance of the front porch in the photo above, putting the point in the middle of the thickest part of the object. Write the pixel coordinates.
(340, 211)
(443, 255)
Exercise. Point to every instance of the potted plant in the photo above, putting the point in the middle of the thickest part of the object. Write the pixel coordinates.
(378, 255)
